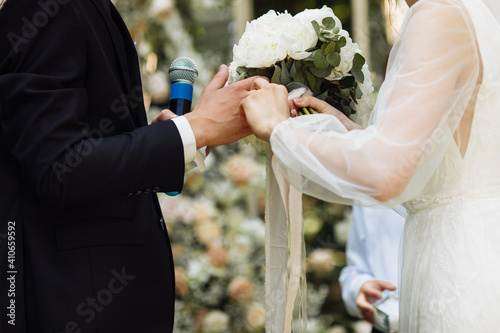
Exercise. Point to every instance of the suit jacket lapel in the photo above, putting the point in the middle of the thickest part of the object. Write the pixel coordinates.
(117, 40)
(134, 73)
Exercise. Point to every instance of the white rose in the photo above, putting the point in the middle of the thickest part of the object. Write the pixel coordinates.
(309, 15)
(215, 322)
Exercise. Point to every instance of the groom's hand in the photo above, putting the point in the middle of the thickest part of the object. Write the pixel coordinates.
(217, 118)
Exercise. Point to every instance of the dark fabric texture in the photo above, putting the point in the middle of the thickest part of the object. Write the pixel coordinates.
(79, 168)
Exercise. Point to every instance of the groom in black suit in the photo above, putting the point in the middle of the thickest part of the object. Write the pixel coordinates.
(83, 246)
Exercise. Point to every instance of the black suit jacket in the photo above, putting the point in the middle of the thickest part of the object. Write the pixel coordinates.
(82, 242)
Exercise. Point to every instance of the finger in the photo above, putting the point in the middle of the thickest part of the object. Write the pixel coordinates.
(367, 315)
(363, 304)
(259, 83)
(163, 115)
(383, 285)
(247, 84)
(293, 113)
(219, 80)
(315, 103)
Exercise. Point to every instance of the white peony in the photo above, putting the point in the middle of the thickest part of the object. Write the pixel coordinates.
(260, 45)
(309, 15)
(297, 37)
(272, 37)
(367, 85)
(233, 74)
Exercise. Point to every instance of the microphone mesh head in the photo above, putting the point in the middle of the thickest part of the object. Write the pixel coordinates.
(183, 69)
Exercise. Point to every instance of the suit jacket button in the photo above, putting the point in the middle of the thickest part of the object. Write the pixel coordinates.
(146, 191)
(138, 193)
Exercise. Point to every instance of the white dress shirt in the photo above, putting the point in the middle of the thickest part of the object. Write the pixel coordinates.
(187, 137)
(372, 251)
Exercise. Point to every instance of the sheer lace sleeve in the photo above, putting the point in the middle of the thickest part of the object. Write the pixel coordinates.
(432, 73)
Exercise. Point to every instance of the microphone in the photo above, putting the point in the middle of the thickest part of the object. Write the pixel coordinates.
(183, 73)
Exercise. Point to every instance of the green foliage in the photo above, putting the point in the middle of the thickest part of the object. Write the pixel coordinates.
(314, 69)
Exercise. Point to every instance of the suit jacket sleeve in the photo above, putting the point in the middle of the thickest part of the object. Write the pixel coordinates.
(44, 106)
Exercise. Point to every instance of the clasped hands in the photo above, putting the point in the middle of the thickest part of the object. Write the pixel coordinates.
(227, 113)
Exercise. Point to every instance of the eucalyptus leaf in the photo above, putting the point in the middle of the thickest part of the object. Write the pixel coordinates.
(323, 95)
(293, 71)
(252, 72)
(320, 60)
(276, 75)
(263, 72)
(327, 35)
(329, 48)
(323, 39)
(343, 98)
(329, 23)
(336, 30)
(310, 57)
(353, 107)
(241, 76)
(333, 59)
(315, 25)
(321, 72)
(346, 110)
(359, 93)
(285, 74)
(241, 70)
(341, 43)
(358, 61)
(310, 79)
(345, 92)
(300, 76)
(358, 74)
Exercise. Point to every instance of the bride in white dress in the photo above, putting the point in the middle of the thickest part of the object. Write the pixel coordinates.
(433, 143)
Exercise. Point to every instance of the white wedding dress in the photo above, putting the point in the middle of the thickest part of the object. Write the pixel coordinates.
(434, 143)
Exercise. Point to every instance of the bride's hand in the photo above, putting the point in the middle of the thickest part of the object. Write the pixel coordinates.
(265, 106)
(324, 107)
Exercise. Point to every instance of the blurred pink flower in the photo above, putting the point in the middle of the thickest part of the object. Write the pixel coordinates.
(181, 284)
(241, 289)
(241, 169)
(218, 256)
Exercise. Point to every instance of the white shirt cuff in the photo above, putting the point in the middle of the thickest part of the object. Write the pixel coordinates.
(187, 137)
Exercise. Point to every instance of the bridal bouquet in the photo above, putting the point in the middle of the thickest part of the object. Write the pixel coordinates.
(309, 51)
